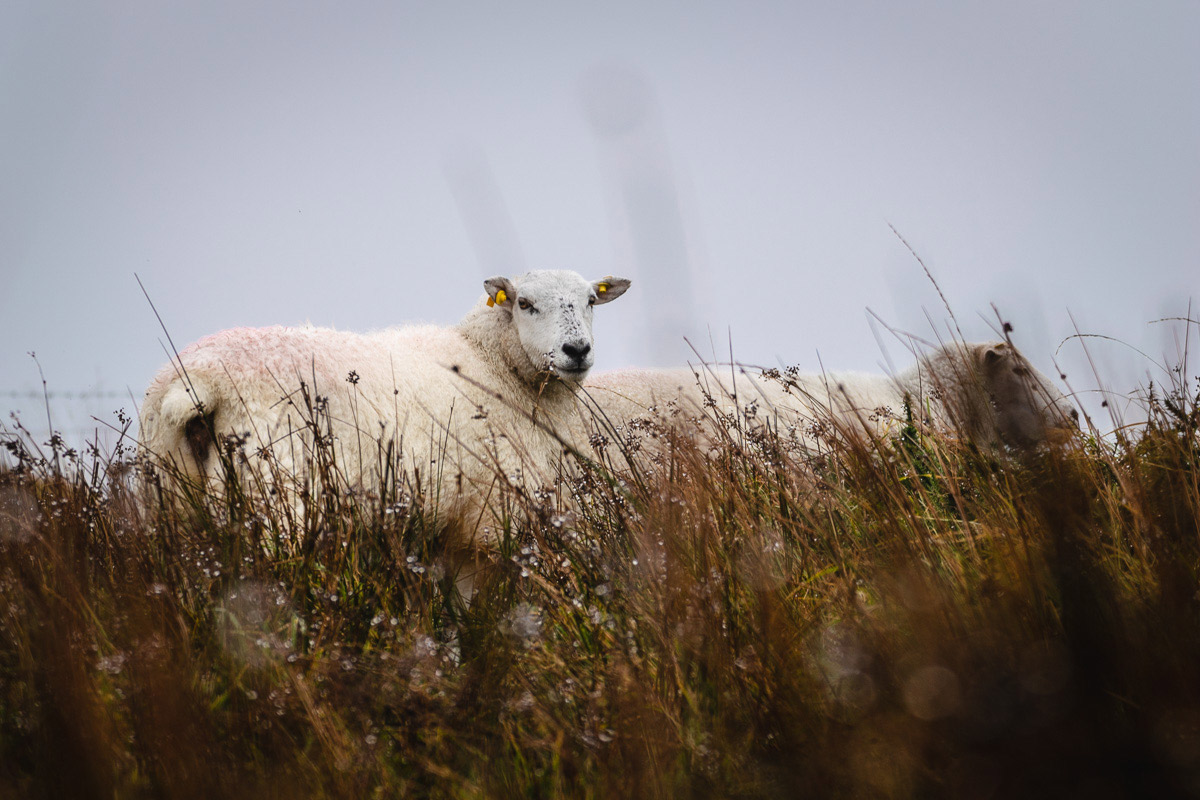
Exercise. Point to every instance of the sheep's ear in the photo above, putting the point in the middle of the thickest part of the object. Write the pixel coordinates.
(993, 354)
(500, 291)
(609, 288)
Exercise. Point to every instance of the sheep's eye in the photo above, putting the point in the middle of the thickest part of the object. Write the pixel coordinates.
(525, 305)
(592, 300)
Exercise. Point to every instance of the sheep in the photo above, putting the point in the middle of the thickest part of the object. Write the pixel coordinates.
(984, 391)
(456, 403)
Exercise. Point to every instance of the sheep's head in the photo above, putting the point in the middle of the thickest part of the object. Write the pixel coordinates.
(1027, 407)
(551, 313)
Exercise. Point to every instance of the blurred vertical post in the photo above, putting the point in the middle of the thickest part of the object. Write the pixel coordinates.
(647, 217)
(484, 213)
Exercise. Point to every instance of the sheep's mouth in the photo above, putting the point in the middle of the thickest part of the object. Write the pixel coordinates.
(572, 373)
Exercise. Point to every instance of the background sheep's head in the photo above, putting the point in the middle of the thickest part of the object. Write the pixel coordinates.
(1028, 408)
(551, 312)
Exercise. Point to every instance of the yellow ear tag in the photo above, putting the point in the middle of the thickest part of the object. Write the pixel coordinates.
(491, 302)
(500, 298)
(602, 288)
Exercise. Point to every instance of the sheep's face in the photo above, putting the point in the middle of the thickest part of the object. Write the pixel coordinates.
(551, 312)
(1028, 408)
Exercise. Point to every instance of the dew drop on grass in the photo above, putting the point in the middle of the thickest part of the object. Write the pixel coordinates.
(932, 692)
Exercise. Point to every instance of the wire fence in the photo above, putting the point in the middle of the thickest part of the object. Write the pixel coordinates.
(59, 394)
(80, 417)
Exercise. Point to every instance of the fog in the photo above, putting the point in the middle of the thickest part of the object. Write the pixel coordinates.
(751, 169)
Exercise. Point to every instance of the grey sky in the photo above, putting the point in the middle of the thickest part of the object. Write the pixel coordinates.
(367, 164)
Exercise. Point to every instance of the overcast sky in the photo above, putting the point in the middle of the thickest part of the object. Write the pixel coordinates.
(367, 164)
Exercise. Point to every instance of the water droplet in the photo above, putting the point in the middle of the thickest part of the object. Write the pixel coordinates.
(932, 692)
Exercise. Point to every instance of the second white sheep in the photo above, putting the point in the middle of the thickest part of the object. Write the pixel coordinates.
(987, 392)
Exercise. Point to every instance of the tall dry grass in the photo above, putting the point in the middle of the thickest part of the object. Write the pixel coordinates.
(889, 618)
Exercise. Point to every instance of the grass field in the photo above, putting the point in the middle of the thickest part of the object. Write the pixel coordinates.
(907, 618)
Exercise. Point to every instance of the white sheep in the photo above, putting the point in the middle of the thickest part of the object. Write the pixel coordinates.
(455, 402)
(985, 391)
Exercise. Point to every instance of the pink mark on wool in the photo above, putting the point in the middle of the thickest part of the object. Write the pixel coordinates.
(275, 337)
(278, 352)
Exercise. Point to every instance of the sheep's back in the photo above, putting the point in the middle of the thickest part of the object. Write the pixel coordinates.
(425, 390)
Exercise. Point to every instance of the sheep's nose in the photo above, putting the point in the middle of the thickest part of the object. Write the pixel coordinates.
(577, 350)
